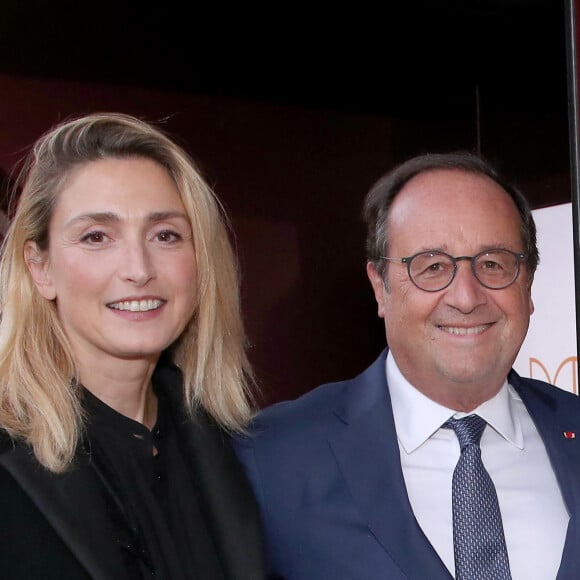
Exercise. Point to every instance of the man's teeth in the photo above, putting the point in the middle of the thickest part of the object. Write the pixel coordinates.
(137, 305)
(461, 330)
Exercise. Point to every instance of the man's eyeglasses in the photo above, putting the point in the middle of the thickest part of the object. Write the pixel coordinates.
(433, 271)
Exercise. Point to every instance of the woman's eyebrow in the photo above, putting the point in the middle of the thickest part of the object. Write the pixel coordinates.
(100, 216)
(110, 217)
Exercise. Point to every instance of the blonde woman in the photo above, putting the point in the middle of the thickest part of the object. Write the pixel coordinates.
(122, 366)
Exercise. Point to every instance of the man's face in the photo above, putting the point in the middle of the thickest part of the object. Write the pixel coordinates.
(458, 344)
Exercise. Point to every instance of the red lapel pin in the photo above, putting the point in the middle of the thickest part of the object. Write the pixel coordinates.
(569, 435)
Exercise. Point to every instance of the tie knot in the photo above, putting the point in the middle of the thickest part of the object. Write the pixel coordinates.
(468, 430)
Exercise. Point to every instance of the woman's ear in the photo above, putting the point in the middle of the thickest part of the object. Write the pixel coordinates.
(39, 271)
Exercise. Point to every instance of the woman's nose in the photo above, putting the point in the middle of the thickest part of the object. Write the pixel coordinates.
(137, 265)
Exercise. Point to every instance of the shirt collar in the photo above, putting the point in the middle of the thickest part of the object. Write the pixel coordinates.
(417, 417)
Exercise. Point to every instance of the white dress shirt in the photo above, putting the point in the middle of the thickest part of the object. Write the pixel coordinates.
(535, 518)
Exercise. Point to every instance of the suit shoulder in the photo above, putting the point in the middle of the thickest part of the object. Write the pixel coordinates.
(322, 403)
(520, 382)
(297, 419)
(545, 394)
(310, 405)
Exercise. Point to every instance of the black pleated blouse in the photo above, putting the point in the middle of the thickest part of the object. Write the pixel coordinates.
(154, 506)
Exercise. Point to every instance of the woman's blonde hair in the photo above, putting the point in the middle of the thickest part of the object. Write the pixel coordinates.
(39, 396)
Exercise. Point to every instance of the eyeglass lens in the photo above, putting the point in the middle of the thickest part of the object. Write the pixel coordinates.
(434, 271)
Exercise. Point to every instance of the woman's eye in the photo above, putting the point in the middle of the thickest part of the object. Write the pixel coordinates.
(94, 238)
(168, 236)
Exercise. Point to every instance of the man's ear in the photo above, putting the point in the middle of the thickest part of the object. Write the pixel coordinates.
(37, 265)
(378, 285)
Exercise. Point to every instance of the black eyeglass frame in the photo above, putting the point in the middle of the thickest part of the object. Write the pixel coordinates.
(454, 259)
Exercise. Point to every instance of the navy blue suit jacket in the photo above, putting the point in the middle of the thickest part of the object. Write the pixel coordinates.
(327, 474)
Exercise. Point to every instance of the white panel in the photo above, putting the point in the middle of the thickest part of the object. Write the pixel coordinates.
(549, 351)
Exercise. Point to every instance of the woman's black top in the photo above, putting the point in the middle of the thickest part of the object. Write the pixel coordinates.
(154, 505)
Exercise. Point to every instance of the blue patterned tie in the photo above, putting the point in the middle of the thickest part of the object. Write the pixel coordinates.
(478, 539)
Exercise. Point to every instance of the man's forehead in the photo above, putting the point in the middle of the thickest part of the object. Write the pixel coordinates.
(452, 186)
(454, 210)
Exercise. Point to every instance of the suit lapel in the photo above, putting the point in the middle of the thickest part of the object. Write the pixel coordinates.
(74, 506)
(375, 478)
(374, 475)
(554, 416)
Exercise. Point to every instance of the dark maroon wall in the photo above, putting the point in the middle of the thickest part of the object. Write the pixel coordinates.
(293, 180)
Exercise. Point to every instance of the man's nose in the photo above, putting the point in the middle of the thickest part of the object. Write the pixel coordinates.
(465, 291)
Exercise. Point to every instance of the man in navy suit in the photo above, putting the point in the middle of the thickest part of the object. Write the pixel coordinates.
(354, 479)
